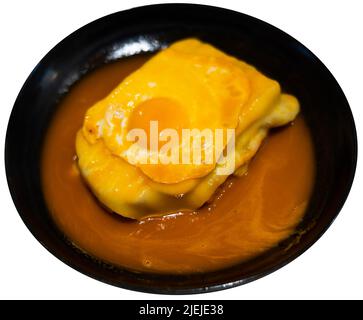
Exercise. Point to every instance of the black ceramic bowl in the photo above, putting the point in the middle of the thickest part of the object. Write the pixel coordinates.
(145, 29)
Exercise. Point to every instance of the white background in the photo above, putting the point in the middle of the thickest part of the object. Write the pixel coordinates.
(332, 268)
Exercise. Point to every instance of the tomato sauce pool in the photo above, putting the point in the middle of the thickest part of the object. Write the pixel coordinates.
(247, 216)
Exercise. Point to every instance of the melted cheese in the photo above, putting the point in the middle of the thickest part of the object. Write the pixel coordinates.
(188, 85)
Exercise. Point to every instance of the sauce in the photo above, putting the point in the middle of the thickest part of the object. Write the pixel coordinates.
(247, 216)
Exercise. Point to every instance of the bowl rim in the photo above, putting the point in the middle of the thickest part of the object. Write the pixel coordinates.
(176, 290)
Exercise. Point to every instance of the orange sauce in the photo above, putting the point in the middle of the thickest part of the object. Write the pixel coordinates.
(247, 216)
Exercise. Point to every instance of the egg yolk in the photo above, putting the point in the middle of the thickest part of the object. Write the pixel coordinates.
(166, 112)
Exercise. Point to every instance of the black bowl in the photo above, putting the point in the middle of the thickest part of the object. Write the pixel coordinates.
(149, 28)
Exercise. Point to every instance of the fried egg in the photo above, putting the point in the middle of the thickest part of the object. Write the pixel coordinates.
(188, 85)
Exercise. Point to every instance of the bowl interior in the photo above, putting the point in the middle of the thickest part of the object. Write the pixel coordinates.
(148, 29)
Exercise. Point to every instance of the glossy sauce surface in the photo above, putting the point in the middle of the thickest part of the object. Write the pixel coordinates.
(247, 216)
